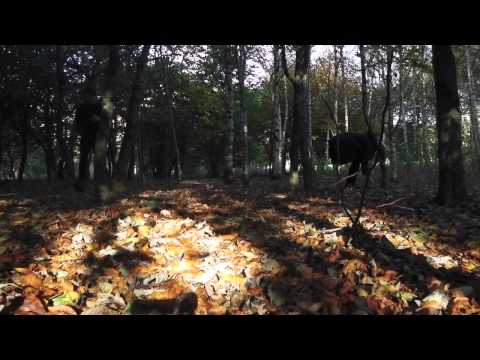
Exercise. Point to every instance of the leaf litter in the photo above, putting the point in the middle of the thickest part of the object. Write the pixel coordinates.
(205, 248)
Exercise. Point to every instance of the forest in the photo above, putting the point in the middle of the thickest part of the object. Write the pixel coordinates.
(239, 180)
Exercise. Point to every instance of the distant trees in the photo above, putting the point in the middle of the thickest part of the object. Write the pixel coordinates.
(187, 110)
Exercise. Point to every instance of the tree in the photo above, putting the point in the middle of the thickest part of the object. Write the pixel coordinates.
(131, 130)
(277, 119)
(66, 158)
(451, 186)
(472, 107)
(300, 112)
(227, 57)
(242, 69)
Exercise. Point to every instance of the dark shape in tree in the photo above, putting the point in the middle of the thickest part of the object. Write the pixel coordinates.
(451, 187)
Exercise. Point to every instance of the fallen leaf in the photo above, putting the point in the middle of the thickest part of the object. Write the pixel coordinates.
(61, 310)
(69, 298)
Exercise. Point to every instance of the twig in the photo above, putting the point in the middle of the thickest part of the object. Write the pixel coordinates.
(345, 178)
(393, 202)
(330, 231)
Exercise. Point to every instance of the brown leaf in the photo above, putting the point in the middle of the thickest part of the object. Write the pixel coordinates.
(61, 310)
(32, 305)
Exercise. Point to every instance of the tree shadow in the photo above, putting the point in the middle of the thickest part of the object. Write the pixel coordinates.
(413, 269)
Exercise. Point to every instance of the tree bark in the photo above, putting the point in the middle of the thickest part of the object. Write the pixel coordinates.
(243, 113)
(284, 126)
(365, 110)
(472, 107)
(346, 124)
(299, 81)
(65, 165)
(277, 120)
(451, 187)
(23, 158)
(228, 70)
(401, 114)
(136, 98)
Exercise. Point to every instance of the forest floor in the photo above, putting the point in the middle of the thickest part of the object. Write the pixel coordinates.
(207, 248)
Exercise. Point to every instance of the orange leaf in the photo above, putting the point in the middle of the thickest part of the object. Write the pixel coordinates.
(30, 279)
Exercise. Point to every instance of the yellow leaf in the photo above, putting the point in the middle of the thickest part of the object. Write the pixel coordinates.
(144, 231)
(229, 237)
(234, 279)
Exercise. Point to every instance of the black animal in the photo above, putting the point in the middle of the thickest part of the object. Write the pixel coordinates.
(357, 149)
(88, 117)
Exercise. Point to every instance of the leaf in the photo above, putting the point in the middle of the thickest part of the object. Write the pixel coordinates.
(144, 231)
(30, 279)
(32, 305)
(405, 296)
(61, 310)
(4, 237)
(68, 298)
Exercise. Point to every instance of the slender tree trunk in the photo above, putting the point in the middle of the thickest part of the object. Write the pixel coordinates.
(338, 126)
(136, 98)
(277, 120)
(472, 107)
(228, 70)
(327, 139)
(66, 161)
(243, 113)
(452, 187)
(401, 115)
(48, 145)
(171, 116)
(365, 106)
(392, 149)
(23, 158)
(284, 126)
(346, 125)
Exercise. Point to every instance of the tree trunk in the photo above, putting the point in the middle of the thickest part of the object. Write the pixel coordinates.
(472, 107)
(178, 164)
(401, 115)
(300, 85)
(65, 164)
(284, 126)
(136, 98)
(23, 158)
(277, 120)
(451, 187)
(338, 127)
(228, 70)
(346, 124)
(365, 106)
(243, 114)
(48, 144)
(392, 149)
